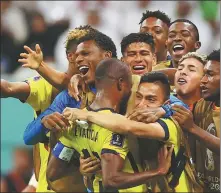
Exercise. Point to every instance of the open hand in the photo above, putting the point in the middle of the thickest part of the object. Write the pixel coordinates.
(164, 159)
(32, 59)
(76, 82)
(89, 166)
(55, 122)
(146, 115)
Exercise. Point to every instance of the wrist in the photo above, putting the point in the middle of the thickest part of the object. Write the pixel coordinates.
(40, 66)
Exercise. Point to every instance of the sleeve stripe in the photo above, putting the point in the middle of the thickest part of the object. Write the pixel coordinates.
(165, 128)
(109, 151)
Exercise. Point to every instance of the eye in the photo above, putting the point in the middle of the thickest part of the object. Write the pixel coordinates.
(185, 34)
(171, 35)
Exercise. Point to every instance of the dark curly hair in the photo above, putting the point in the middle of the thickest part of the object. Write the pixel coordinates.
(191, 23)
(75, 34)
(157, 14)
(102, 41)
(214, 55)
(137, 37)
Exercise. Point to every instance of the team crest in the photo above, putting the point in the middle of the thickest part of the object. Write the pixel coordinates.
(117, 140)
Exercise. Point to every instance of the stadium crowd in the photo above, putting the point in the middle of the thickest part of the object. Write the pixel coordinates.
(126, 95)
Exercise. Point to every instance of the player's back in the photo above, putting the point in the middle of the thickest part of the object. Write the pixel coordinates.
(94, 141)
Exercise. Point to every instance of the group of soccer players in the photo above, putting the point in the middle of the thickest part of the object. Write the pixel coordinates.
(148, 122)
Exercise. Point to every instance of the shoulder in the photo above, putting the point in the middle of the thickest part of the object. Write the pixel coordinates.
(202, 107)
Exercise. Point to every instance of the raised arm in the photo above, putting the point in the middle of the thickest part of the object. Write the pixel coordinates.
(50, 119)
(114, 178)
(19, 90)
(34, 60)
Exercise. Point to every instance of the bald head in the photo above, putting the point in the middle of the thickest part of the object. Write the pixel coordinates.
(111, 69)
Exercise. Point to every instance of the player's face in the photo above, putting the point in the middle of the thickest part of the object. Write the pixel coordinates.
(149, 95)
(210, 83)
(139, 57)
(188, 76)
(159, 31)
(181, 40)
(88, 55)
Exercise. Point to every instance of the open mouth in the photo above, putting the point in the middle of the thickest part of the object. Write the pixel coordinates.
(203, 88)
(139, 67)
(178, 48)
(83, 69)
(181, 81)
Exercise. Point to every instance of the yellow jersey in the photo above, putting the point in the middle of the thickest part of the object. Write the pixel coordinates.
(40, 98)
(172, 136)
(94, 141)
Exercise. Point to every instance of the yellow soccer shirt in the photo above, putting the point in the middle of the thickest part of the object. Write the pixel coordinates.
(94, 141)
(172, 136)
(40, 98)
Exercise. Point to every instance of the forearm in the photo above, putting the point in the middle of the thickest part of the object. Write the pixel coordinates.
(35, 133)
(114, 122)
(123, 180)
(19, 90)
(210, 141)
(57, 79)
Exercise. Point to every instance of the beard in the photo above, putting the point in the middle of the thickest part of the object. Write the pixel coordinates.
(123, 104)
(214, 97)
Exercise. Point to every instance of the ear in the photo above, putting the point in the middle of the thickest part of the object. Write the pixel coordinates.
(154, 60)
(107, 54)
(166, 43)
(120, 84)
(197, 45)
(122, 59)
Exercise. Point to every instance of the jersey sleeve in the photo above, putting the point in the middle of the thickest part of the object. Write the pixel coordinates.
(40, 92)
(35, 131)
(171, 131)
(116, 144)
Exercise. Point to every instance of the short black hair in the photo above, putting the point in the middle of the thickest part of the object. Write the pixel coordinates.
(157, 14)
(112, 68)
(137, 37)
(190, 22)
(102, 41)
(153, 77)
(214, 55)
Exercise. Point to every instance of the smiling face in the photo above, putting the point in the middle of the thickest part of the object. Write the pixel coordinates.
(181, 40)
(188, 77)
(158, 29)
(210, 83)
(139, 57)
(88, 55)
(150, 95)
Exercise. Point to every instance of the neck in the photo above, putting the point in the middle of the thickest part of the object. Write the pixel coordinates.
(103, 99)
(189, 99)
(161, 56)
(175, 63)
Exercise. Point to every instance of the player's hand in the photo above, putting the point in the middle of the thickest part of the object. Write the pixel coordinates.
(89, 166)
(183, 116)
(164, 159)
(76, 86)
(147, 115)
(55, 122)
(73, 114)
(32, 59)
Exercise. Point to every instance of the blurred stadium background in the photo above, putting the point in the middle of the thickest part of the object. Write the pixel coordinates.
(47, 23)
